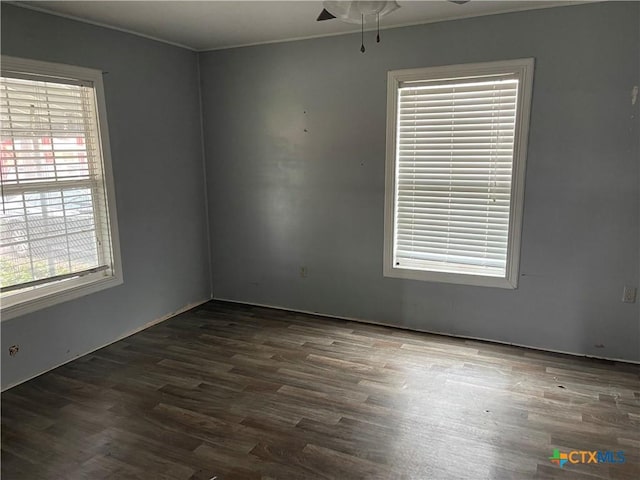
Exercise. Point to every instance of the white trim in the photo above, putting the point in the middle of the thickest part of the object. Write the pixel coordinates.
(520, 148)
(50, 69)
(523, 68)
(447, 277)
(63, 291)
(542, 5)
(430, 332)
(57, 292)
(109, 182)
(186, 308)
(98, 24)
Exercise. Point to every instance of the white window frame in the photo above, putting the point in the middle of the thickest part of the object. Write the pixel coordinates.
(57, 292)
(523, 68)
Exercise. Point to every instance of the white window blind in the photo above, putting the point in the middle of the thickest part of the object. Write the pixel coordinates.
(54, 217)
(455, 151)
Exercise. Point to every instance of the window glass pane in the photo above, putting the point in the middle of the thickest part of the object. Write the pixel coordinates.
(47, 234)
(51, 216)
(58, 225)
(455, 172)
(454, 163)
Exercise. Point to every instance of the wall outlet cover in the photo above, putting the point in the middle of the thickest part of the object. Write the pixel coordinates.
(629, 294)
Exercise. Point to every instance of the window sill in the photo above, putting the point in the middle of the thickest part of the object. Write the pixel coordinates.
(50, 295)
(455, 278)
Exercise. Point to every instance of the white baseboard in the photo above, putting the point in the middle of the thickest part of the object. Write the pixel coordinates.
(125, 335)
(464, 337)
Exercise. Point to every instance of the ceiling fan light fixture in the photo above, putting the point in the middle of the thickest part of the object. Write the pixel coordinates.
(359, 11)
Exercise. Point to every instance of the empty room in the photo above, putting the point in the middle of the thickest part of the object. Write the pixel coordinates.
(320, 240)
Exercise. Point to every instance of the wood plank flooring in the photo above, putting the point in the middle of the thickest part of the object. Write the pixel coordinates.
(227, 392)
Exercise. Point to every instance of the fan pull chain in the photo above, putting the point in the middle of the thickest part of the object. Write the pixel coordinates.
(362, 49)
(378, 36)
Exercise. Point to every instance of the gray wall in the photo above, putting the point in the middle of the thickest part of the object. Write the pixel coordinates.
(294, 137)
(295, 145)
(154, 121)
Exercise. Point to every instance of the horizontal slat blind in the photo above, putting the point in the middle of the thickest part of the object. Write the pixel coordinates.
(53, 215)
(454, 161)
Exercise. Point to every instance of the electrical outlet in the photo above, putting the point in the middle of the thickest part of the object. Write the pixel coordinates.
(304, 272)
(13, 350)
(629, 294)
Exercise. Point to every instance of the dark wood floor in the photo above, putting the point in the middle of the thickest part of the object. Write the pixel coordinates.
(234, 392)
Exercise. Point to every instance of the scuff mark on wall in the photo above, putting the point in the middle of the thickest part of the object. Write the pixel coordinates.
(634, 95)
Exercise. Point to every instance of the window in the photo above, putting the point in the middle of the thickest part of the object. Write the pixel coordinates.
(58, 226)
(456, 145)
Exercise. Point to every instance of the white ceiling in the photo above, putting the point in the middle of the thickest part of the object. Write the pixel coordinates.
(209, 25)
